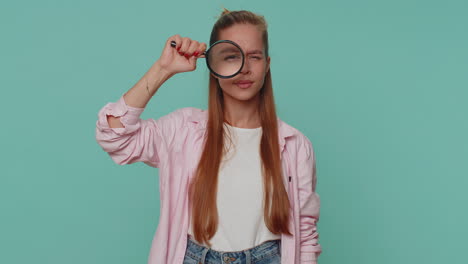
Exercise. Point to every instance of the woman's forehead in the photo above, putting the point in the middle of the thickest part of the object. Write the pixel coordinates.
(248, 36)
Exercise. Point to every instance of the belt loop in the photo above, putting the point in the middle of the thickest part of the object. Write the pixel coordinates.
(247, 256)
(279, 245)
(205, 250)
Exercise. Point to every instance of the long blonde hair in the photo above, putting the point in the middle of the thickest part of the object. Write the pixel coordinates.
(203, 188)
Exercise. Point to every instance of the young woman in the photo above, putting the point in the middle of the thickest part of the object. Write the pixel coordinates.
(237, 183)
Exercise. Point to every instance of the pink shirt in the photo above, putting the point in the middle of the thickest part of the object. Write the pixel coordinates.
(173, 143)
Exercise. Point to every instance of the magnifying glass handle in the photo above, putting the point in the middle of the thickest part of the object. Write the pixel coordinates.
(173, 44)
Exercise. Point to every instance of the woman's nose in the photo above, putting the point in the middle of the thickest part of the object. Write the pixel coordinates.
(245, 68)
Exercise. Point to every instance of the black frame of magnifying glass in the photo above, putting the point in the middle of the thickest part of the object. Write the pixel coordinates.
(173, 44)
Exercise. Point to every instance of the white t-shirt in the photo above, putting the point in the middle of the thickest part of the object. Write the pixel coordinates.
(240, 194)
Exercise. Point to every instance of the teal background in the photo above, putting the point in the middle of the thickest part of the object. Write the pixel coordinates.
(379, 87)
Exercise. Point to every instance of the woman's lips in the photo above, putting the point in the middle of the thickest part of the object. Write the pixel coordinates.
(244, 85)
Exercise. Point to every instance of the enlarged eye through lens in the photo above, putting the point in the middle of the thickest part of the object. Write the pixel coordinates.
(225, 59)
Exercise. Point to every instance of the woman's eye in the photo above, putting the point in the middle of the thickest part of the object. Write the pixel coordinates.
(231, 57)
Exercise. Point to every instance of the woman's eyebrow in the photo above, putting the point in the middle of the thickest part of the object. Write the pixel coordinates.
(255, 52)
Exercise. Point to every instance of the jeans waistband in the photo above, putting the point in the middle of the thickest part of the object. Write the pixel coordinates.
(250, 255)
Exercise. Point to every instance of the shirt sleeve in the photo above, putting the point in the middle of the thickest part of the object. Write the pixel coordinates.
(309, 202)
(145, 140)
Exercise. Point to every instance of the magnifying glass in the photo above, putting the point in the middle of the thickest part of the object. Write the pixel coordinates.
(224, 58)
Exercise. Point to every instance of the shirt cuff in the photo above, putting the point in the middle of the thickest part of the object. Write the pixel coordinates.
(310, 258)
(129, 116)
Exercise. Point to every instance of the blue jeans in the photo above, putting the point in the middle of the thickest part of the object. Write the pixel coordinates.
(268, 252)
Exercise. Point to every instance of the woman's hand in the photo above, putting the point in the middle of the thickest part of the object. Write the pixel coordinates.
(183, 57)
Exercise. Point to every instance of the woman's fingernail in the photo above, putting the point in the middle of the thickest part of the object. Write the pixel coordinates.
(181, 53)
(187, 56)
(195, 54)
(178, 48)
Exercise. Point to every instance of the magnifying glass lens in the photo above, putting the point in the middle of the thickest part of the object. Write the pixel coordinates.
(225, 59)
